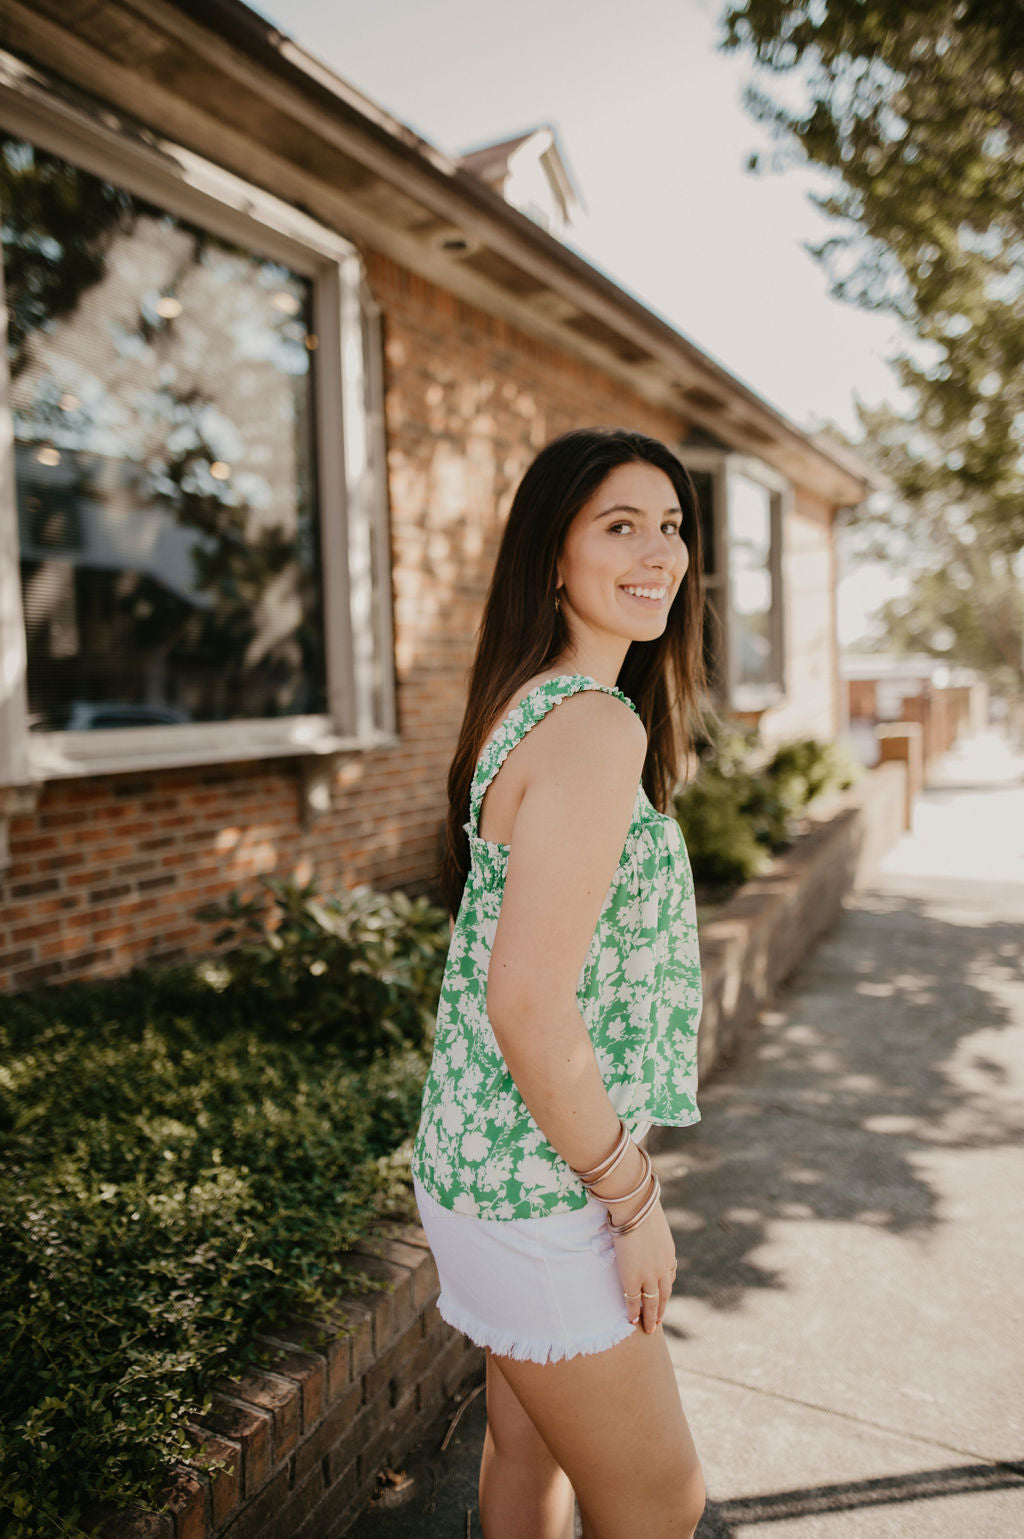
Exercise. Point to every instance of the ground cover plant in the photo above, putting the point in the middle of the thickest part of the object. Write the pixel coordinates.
(186, 1154)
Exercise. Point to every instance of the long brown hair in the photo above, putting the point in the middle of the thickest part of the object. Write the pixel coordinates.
(521, 632)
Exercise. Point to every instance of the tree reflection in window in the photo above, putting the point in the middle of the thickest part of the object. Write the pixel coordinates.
(162, 397)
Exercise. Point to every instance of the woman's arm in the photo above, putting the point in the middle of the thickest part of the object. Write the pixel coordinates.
(585, 764)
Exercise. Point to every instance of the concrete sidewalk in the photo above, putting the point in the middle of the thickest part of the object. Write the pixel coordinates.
(848, 1321)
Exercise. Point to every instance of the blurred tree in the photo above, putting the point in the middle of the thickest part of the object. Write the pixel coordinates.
(916, 108)
(57, 230)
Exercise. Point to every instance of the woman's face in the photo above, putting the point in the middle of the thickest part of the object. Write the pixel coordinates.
(627, 536)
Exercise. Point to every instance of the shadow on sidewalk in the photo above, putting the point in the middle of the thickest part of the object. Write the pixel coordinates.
(888, 1044)
(720, 1517)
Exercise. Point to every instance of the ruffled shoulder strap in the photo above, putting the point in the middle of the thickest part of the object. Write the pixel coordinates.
(532, 708)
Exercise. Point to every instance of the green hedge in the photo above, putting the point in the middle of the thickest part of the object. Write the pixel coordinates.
(186, 1152)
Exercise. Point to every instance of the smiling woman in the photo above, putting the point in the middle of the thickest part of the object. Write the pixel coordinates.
(643, 555)
(572, 991)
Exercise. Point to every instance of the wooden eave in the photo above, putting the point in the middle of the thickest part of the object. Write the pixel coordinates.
(217, 78)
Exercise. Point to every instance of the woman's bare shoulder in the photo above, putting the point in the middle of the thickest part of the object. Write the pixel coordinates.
(599, 706)
(585, 731)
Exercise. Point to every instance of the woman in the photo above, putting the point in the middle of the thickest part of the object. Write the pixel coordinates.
(568, 1012)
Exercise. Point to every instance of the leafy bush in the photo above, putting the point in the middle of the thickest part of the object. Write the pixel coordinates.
(184, 1164)
(720, 839)
(359, 969)
(807, 768)
(736, 815)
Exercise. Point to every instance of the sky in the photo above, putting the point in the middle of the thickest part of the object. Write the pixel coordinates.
(650, 119)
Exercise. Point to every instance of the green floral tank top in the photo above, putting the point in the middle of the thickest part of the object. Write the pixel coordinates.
(478, 1150)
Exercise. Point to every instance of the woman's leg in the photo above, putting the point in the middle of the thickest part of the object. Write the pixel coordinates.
(614, 1422)
(522, 1490)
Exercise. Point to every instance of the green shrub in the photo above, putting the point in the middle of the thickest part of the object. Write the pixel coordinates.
(184, 1162)
(807, 768)
(737, 812)
(720, 839)
(359, 969)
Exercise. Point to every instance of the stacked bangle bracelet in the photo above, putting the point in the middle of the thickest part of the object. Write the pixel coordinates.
(641, 1213)
(590, 1178)
(608, 1164)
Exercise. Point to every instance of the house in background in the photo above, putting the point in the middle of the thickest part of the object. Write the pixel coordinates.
(880, 689)
(275, 366)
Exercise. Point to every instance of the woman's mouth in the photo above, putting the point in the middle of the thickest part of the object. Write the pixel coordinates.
(652, 597)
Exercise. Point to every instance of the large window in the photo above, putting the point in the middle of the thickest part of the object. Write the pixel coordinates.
(161, 391)
(708, 498)
(741, 524)
(197, 477)
(751, 582)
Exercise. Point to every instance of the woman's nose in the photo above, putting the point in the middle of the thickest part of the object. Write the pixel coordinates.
(666, 550)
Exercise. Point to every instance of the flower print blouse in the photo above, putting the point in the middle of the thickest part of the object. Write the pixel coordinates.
(478, 1150)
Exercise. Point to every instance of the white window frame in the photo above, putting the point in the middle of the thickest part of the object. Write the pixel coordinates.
(351, 462)
(725, 466)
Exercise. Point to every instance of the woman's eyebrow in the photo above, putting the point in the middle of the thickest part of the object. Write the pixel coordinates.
(624, 507)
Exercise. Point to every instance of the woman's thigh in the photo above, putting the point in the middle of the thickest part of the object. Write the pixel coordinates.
(614, 1421)
(513, 1433)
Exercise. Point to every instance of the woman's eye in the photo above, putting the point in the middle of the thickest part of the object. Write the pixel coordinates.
(625, 523)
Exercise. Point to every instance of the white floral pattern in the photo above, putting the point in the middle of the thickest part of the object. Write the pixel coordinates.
(478, 1150)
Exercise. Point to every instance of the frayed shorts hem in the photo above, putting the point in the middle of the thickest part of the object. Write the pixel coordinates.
(530, 1350)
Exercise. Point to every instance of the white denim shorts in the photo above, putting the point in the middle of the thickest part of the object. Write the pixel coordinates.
(538, 1289)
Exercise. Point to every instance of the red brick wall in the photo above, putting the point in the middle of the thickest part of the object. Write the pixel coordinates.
(108, 871)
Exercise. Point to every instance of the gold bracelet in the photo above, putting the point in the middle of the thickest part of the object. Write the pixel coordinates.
(638, 1217)
(637, 1189)
(608, 1164)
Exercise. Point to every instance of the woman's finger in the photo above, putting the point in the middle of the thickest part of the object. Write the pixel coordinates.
(633, 1304)
(652, 1302)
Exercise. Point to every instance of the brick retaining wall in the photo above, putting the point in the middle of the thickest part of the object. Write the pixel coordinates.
(306, 1435)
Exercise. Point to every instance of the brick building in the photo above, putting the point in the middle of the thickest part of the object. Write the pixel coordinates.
(275, 366)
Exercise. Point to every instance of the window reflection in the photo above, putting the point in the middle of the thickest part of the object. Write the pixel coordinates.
(704, 483)
(750, 540)
(162, 398)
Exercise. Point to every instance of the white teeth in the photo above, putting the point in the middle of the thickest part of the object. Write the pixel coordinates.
(645, 592)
